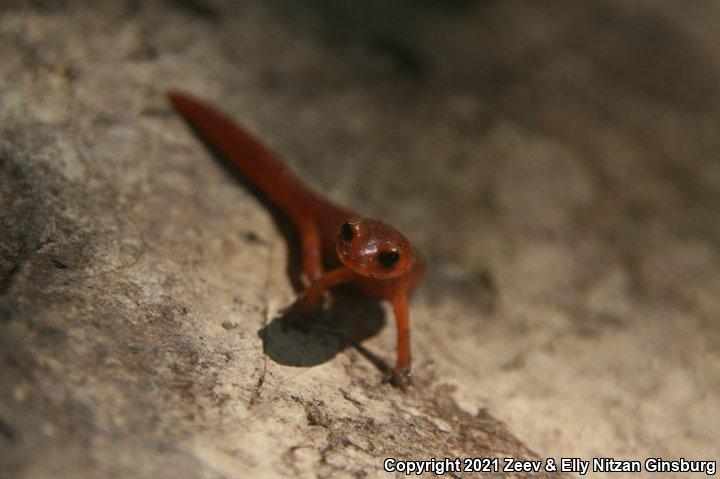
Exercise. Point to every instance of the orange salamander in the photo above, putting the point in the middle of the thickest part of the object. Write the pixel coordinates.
(338, 246)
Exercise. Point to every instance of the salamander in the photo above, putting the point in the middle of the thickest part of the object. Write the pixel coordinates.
(338, 246)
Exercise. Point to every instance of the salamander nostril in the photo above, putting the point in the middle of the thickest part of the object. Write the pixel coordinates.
(347, 232)
(389, 258)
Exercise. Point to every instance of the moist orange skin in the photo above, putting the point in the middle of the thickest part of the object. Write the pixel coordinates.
(338, 246)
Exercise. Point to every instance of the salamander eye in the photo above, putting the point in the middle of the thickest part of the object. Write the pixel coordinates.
(347, 233)
(389, 258)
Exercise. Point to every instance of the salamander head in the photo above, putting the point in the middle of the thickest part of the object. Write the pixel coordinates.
(374, 249)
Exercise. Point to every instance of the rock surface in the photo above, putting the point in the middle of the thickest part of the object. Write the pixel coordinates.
(558, 163)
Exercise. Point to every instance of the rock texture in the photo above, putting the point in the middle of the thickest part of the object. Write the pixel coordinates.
(557, 161)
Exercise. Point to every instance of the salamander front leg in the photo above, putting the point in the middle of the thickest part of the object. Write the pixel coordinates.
(312, 256)
(402, 376)
(315, 292)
